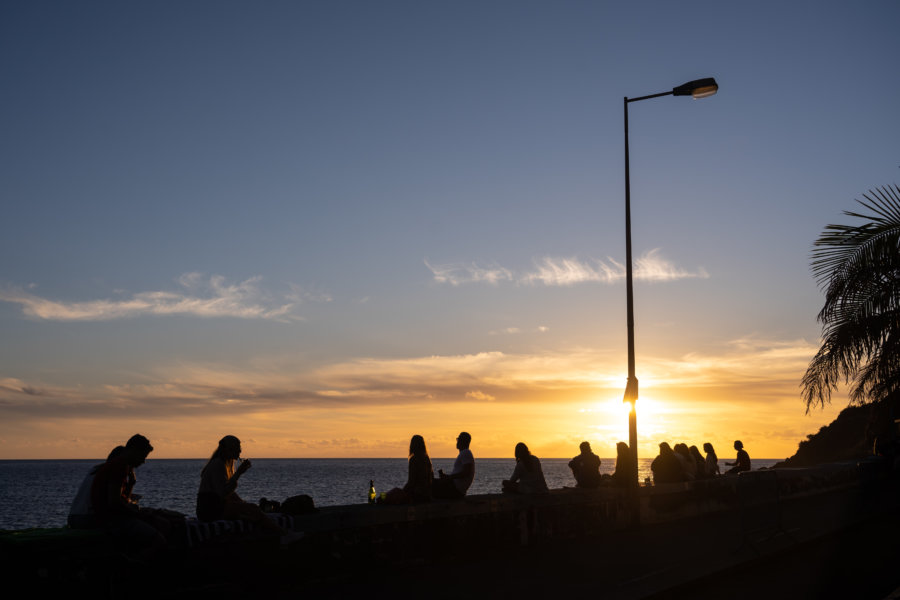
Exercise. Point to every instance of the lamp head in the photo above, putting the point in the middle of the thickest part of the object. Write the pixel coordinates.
(699, 88)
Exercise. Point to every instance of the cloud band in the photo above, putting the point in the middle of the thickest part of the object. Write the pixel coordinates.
(199, 296)
(553, 271)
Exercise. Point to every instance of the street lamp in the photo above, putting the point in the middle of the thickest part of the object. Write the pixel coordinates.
(699, 88)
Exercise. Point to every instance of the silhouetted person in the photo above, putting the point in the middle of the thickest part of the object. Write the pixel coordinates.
(712, 461)
(217, 498)
(624, 473)
(699, 462)
(666, 467)
(81, 513)
(421, 475)
(456, 484)
(142, 532)
(688, 466)
(586, 467)
(743, 460)
(528, 477)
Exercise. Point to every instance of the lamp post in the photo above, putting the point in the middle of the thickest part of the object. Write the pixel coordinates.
(699, 88)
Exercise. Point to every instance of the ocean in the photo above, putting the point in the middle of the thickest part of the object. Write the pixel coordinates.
(38, 493)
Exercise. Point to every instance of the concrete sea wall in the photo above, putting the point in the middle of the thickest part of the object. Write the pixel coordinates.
(513, 546)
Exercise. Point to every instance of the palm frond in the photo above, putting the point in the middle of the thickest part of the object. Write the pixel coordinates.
(858, 267)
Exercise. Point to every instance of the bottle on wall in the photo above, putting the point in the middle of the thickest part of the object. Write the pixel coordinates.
(372, 494)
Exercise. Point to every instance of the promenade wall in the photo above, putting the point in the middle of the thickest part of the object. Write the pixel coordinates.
(562, 536)
(755, 499)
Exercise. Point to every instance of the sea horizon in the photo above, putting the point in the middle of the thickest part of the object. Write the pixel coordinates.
(252, 458)
(39, 492)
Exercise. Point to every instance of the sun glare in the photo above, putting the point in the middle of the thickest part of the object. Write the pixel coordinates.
(616, 406)
(647, 406)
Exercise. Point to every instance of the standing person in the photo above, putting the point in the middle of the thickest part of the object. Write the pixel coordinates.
(743, 459)
(110, 501)
(456, 484)
(217, 498)
(527, 477)
(586, 467)
(712, 461)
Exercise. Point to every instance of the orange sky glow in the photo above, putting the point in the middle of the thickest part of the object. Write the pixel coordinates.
(371, 407)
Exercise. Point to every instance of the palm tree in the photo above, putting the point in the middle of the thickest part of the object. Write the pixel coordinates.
(858, 267)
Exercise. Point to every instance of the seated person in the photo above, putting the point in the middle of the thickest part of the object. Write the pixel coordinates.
(528, 477)
(421, 475)
(743, 460)
(586, 467)
(217, 498)
(666, 466)
(141, 531)
(81, 513)
(712, 461)
(699, 462)
(456, 484)
(688, 466)
(623, 476)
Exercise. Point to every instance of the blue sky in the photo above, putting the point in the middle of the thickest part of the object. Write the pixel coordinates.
(325, 226)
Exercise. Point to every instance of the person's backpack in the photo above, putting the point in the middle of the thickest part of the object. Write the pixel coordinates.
(298, 505)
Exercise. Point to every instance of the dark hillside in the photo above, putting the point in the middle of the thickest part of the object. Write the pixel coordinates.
(851, 435)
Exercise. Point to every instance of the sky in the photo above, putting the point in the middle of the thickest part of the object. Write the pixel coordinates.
(327, 226)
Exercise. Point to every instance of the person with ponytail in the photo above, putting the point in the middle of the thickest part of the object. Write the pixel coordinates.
(217, 498)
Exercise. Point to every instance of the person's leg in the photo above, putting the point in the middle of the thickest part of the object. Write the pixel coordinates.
(210, 507)
(161, 524)
(136, 535)
(82, 522)
(444, 489)
(251, 512)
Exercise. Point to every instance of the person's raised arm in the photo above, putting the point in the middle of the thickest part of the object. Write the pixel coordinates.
(232, 482)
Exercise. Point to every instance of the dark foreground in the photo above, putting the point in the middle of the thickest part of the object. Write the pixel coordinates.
(829, 532)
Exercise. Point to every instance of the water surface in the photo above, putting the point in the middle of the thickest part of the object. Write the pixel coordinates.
(37, 493)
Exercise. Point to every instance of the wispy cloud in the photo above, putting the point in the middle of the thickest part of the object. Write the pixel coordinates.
(192, 390)
(745, 361)
(572, 271)
(354, 444)
(197, 295)
(518, 330)
(555, 271)
(754, 369)
(460, 273)
(506, 331)
(746, 389)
